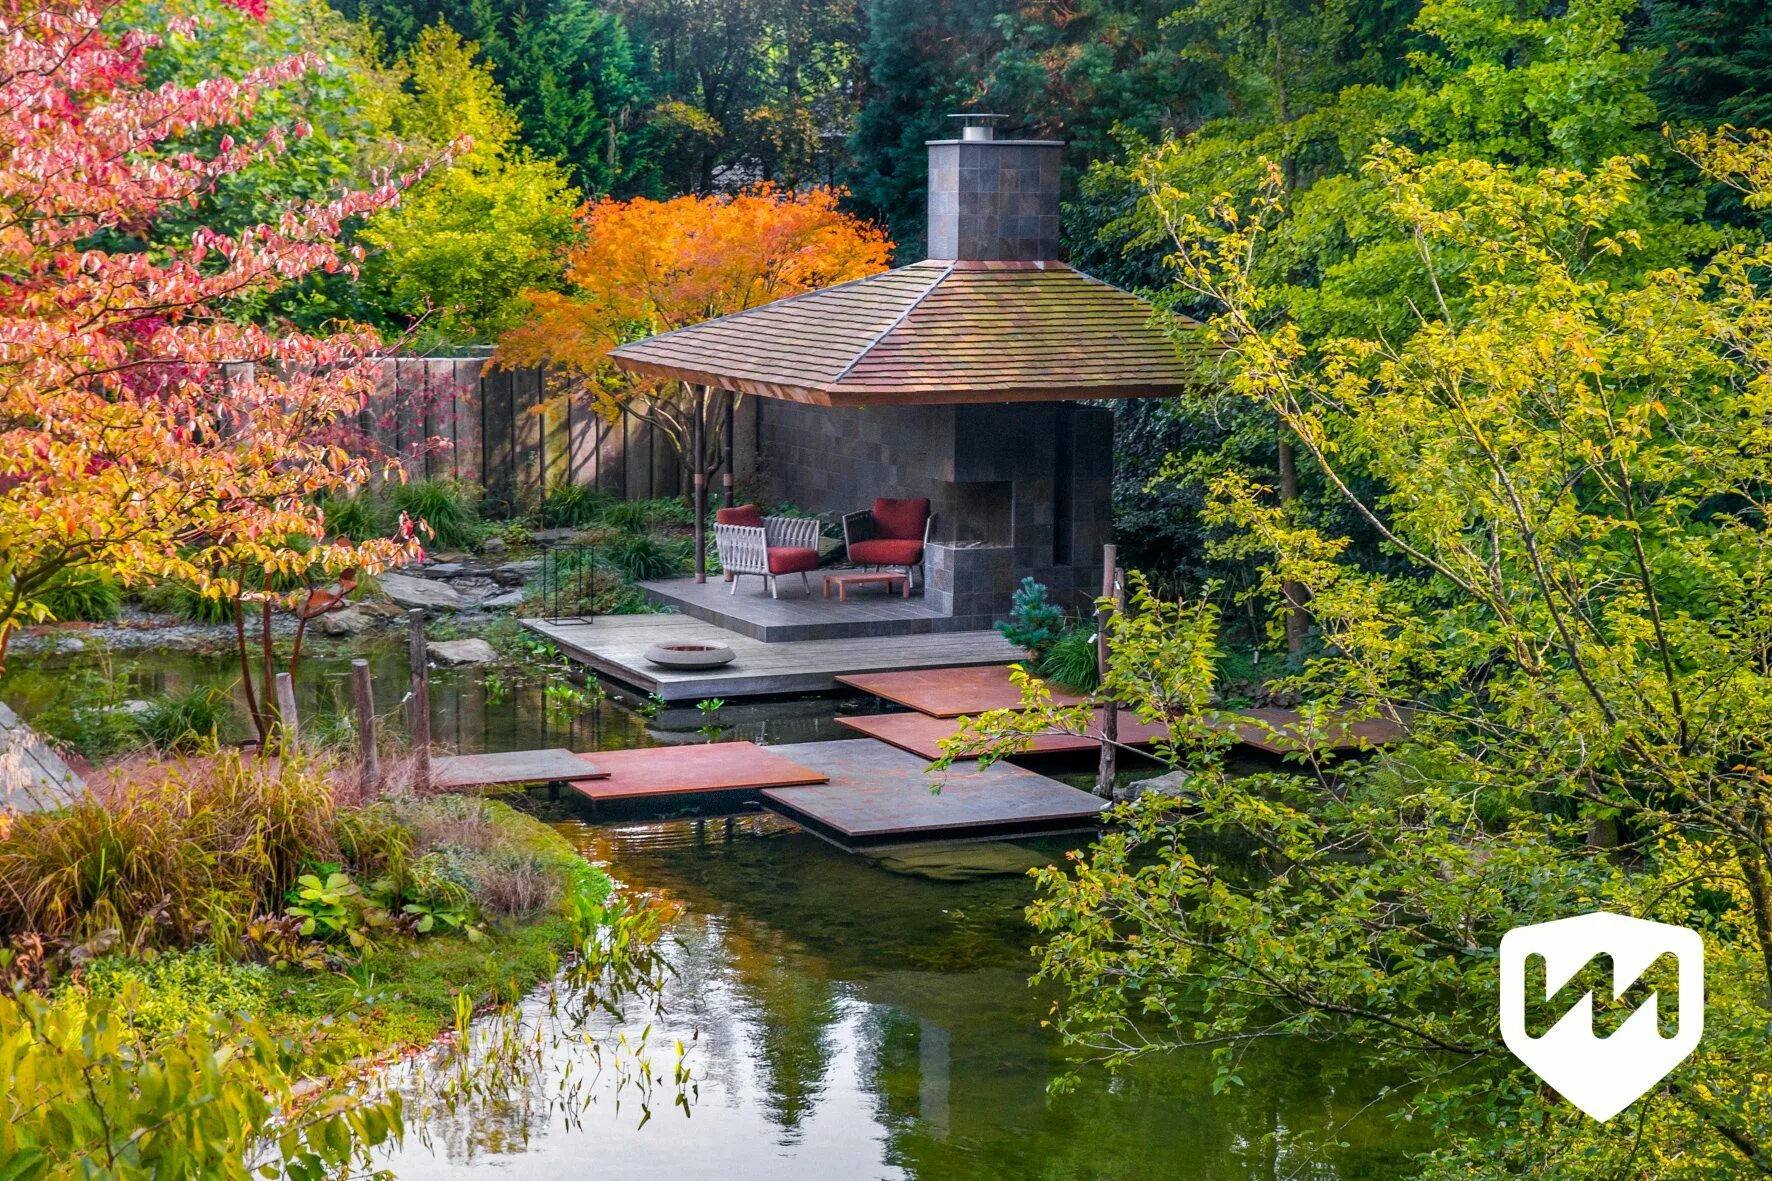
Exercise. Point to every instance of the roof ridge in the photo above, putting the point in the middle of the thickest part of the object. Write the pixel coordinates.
(892, 327)
(784, 300)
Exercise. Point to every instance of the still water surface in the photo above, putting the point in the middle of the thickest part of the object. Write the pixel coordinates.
(842, 1017)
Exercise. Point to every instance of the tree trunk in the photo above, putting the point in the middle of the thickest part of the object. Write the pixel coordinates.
(1107, 768)
(1298, 619)
(728, 477)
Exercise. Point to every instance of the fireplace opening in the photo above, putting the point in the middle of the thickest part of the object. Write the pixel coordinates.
(978, 512)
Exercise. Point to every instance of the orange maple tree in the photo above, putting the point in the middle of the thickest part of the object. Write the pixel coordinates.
(645, 267)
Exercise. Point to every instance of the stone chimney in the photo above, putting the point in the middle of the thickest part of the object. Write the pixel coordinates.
(993, 199)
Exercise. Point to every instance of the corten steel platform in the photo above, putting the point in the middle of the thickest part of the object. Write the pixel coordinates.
(948, 692)
(519, 766)
(658, 771)
(615, 646)
(922, 735)
(878, 793)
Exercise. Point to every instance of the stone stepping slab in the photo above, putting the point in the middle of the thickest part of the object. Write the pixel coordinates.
(923, 735)
(948, 692)
(520, 766)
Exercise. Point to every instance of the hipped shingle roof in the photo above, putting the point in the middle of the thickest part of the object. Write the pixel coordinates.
(936, 332)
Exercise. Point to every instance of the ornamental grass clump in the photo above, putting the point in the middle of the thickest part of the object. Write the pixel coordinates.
(166, 855)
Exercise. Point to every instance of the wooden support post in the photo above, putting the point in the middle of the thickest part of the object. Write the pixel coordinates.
(418, 703)
(728, 478)
(698, 471)
(368, 756)
(288, 725)
(1110, 714)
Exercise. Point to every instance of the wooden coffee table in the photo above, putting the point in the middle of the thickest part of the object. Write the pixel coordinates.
(863, 578)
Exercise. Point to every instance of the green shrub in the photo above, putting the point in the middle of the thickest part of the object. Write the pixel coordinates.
(188, 603)
(636, 516)
(186, 721)
(87, 713)
(447, 507)
(1034, 622)
(571, 506)
(642, 556)
(88, 593)
(162, 853)
(177, 989)
(361, 516)
(1072, 661)
(90, 1094)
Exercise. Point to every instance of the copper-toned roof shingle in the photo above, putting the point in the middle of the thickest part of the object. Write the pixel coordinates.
(934, 332)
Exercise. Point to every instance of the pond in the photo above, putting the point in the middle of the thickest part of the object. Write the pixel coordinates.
(840, 1015)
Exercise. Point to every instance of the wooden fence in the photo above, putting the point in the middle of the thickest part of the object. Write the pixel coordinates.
(459, 418)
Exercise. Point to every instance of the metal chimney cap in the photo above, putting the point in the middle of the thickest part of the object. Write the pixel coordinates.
(977, 125)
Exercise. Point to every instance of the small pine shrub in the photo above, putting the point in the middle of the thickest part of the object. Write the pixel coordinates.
(1034, 622)
(642, 557)
(186, 721)
(573, 506)
(1072, 663)
(91, 594)
(447, 507)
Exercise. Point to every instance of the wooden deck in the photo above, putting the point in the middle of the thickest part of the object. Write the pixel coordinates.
(615, 646)
(459, 772)
(878, 793)
(923, 735)
(658, 771)
(949, 692)
(797, 615)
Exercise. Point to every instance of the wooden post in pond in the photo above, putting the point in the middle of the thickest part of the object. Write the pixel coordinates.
(418, 702)
(1110, 714)
(368, 757)
(288, 726)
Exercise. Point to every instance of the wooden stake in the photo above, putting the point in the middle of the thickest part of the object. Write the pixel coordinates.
(368, 756)
(1110, 716)
(418, 703)
(286, 719)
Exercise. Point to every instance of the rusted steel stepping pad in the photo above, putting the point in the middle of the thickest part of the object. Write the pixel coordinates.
(680, 770)
(517, 766)
(948, 692)
(923, 735)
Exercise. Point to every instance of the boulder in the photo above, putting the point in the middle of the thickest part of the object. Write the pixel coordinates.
(135, 707)
(421, 593)
(495, 547)
(457, 652)
(517, 573)
(443, 569)
(1173, 784)
(555, 536)
(347, 621)
(507, 601)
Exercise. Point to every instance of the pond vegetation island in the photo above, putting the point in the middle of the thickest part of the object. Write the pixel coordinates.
(1294, 476)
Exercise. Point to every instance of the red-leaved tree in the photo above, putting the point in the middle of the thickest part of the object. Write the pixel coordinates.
(145, 426)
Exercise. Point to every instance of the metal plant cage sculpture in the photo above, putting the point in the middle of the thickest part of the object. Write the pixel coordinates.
(568, 583)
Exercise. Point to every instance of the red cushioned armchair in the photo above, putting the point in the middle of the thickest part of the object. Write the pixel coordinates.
(750, 543)
(893, 533)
